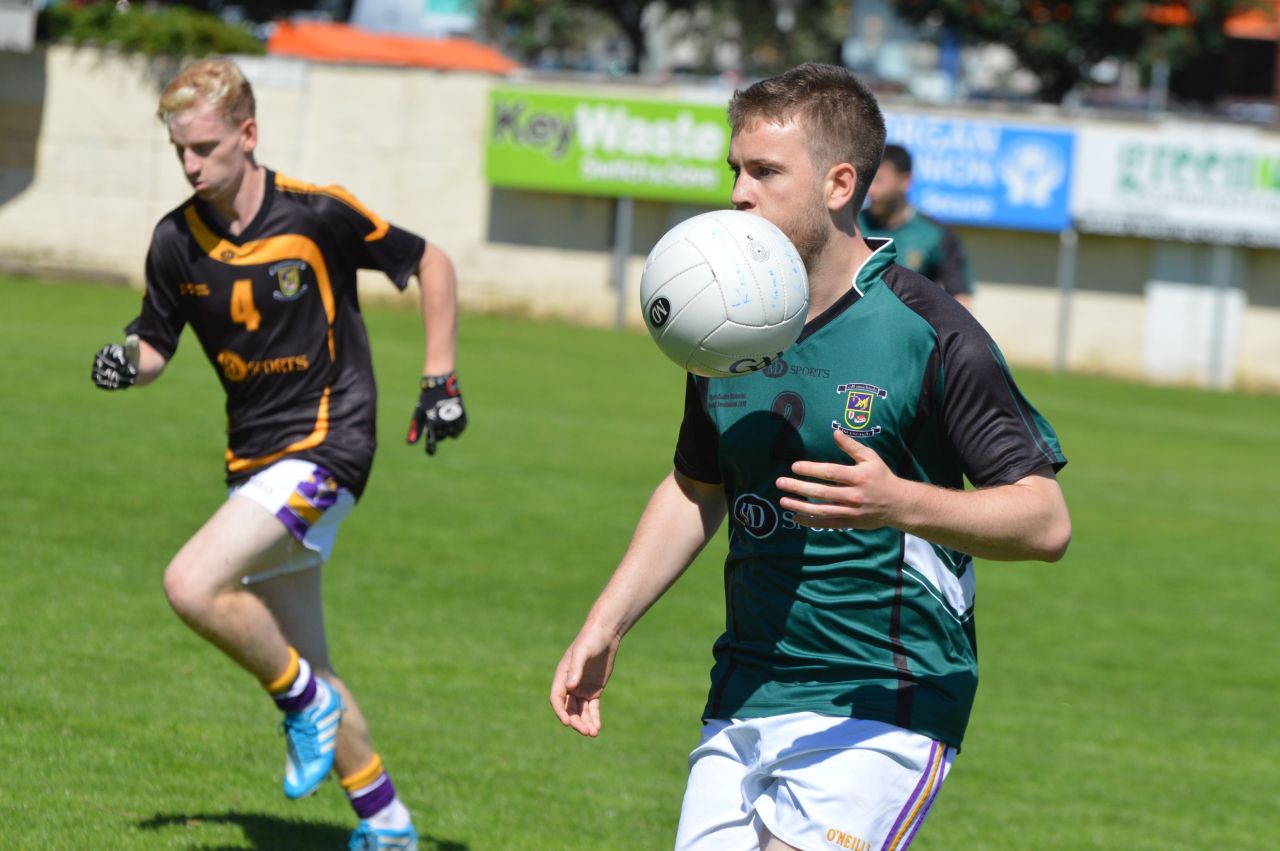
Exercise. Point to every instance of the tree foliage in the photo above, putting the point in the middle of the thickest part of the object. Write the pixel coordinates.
(173, 30)
(539, 32)
(529, 29)
(1059, 42)
(816, 34)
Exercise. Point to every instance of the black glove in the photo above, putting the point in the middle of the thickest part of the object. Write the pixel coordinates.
(112, 369)
(439, 411)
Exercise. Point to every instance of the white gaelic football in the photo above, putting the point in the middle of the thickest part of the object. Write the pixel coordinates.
(724, 293)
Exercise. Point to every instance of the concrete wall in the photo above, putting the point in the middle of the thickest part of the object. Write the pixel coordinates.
(86, 170)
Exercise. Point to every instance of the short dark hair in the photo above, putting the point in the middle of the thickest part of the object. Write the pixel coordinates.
(840, 113)
(898, 157)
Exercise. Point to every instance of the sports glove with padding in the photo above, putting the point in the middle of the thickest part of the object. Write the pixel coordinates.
(439, 412)
(112, 369)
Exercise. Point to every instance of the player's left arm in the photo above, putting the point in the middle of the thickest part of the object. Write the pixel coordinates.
(371, 242)
(439, 413)
(1024, 520)
(439, 284)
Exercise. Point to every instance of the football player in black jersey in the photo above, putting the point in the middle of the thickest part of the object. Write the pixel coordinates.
(263, 269)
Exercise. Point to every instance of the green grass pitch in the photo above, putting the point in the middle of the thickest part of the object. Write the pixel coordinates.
(1128, 695)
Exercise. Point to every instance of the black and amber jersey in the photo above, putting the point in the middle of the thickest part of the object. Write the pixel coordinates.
(276, 311)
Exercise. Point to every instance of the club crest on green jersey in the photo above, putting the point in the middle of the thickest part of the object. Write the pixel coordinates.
(288, 275)
(859, 407)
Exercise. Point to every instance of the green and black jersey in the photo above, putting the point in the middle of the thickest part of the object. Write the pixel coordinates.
(870, 624)
(927, 246)
(276, 311)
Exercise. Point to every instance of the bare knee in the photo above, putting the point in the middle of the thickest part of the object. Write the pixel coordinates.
(190, 598)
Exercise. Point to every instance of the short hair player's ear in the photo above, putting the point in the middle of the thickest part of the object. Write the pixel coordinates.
(841, 184)
(249, 130)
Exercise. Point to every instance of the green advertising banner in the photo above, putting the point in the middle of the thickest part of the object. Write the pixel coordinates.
(591, 145)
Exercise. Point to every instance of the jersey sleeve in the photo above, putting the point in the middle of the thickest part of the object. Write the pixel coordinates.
(999, 436)
(162, 319)
(397, 254)
(952, 272)
(373, 242)
(698, 447)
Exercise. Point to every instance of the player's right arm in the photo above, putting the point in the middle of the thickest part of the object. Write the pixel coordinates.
(150, 363)
(119, 366)
(682, 515)
(152, 338)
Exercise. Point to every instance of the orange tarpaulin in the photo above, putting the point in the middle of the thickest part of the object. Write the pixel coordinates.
(1258, 22)
(345, 43)
(1258, 19)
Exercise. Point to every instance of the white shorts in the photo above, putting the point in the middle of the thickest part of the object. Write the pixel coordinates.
(816, 782)
(308, 501)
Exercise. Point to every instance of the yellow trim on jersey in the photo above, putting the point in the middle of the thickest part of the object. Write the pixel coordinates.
(380, 226)
(939, 756)
(264, 251)
(238, 465)
(364, 776)
(282, 682)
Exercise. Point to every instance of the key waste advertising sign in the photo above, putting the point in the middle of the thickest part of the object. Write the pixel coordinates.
(620, 147)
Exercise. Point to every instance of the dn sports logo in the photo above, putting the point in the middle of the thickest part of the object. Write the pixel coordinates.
(760, 518)
(755, 514)
(659, 310)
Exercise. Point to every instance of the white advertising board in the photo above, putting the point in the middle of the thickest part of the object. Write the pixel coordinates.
(1179, 181)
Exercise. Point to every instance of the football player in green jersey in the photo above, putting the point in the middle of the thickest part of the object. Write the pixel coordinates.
(263, 268)
(923, 244)
(844, 678)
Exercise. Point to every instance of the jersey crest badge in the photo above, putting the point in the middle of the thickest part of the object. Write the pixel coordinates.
(859, 404)
(288, 275)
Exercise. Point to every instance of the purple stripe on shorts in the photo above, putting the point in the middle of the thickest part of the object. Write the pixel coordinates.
(320, 490)
(321, 493)
(933, 796)
(906, 810)
(296, 525)
(371, 800)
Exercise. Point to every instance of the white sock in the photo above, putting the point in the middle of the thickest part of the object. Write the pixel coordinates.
(300, 682)
(394, 816)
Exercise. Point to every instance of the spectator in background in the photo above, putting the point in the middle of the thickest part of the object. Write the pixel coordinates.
(924, 244)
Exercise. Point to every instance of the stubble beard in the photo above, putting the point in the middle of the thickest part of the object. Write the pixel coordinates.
(811, 234)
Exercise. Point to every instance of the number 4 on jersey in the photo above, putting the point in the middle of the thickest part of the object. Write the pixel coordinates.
(243, 310)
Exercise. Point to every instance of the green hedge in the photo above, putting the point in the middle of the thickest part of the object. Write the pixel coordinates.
(169, 30)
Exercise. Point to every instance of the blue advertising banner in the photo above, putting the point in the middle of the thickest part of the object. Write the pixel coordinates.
(975, 172)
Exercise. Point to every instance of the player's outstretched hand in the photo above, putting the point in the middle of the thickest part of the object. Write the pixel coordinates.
(112, 369)
(861, 495)
(580, 679)
(439, 412)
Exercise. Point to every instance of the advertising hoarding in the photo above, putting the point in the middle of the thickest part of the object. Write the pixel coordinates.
(987, 173)
(598, 145)
(1180, 181)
